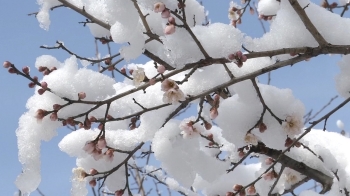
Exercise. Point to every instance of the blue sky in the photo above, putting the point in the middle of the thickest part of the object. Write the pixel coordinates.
(312, 82)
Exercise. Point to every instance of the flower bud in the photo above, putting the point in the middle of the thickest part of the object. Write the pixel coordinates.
(31, 85)
(214, 113)
(122, 70)
(171, 20)
(41, 69)
(207, 126)
(251, 190)
(269, 161)
(25, 70)
(43, 85)
(12, 70)
(40, 114)
(54, 116)
(41, 91)
(119, 192)
(35, 78)
(262, 127)
(81, 95)
(93, 171)
(166, 13)
(7, 64)
(288, 142)
(169, 29)
(161, 69)
(92, 183)
(101, 143)
(56, 106)
(237, 187)
(210, 136)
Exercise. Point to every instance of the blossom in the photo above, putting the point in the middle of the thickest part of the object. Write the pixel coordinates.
(292, 125)
(138, 75)
(292, 176)
(159, 7)
(173, 96)
(168, 84)
(188, 128)
(79, 174)
(251, 139)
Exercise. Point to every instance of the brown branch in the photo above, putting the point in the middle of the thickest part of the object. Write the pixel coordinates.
(84, 13)
(308, 24)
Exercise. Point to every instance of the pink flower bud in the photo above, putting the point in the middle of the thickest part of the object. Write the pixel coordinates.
(165, 13)
(171, 20)
(41, 91)
(101, 143)
(89, 147)
(53, 69)
(170, 29)
(207, 125)
(70, 121)
(64, 122)
(230, 194)
(46, 72)
(239, 54)
(53, 116)
(214, 113)
(244, 58)
(231, 57)
(158, 7)
(109, 155)
(211, 143)
(262, 127)
(269, 161)
(251, 11)
(123, 70)
(251, 190)
(161, 69)
(119, 192)
(31, 85)
(35, 78)
(40, 114)
(97, 154)
(12, 70)
(237, 187)
(241, 154)
(43, 85)
(26, 70)
(41, 69)
(210, 136)
(131, 71)
(93, 171)
(56, 106)
(81, 95)
(7, 64)
(92, 183)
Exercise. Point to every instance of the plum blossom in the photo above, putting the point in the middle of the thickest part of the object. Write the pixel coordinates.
(79, 174)
(173, 96)
(251, 139)
(168, 84)
(292, 176)
(188, 128)
(159, 7)
(138, 76)
(292, 125)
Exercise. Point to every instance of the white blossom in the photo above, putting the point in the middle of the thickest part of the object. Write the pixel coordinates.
(251, 139)
(79, 174)
(138, 76)
(173, 96)
(292, 125)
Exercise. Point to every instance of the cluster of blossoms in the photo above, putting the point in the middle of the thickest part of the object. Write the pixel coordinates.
(173, 93)
(235, 14)
(95, 148)
(165, 13)
(215, 105)
(239, 58)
